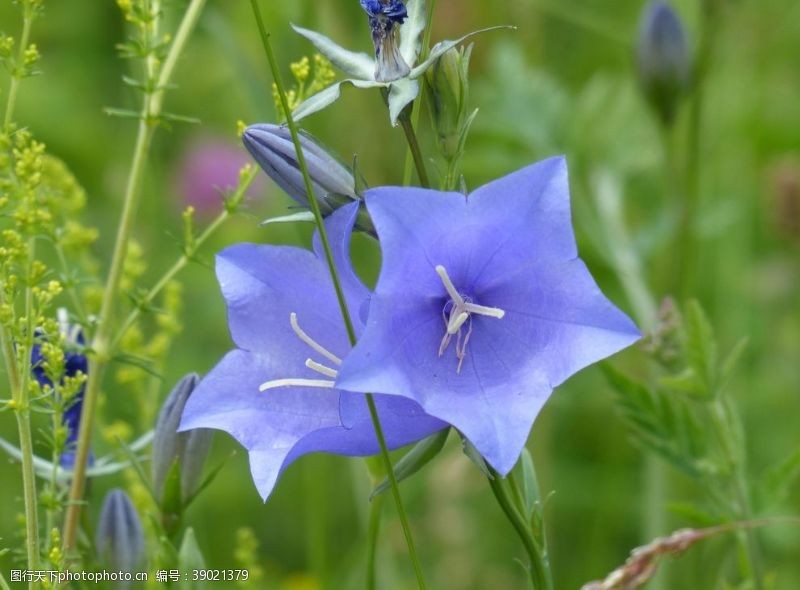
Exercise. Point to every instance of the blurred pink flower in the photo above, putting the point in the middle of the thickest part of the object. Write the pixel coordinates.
(208, 169)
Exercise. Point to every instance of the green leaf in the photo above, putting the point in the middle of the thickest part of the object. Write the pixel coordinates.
(443, 47)
(686, 382)
(530, 483)
(401, 94)
(124, 113)
(190, 558)
(701, 350)
(294, 217)
(3, 584)
(420, 455)
(474, 455)
(411, 31)
(774, 485)
(730, 362)
(696, 516)
(355, 65)
(327, 97)
(212, 475)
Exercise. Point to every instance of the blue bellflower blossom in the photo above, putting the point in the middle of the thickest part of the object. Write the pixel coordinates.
(482, 306)
(384, 16)
(75, 362)
(274, 392)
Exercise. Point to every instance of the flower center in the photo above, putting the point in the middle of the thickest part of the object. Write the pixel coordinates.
(456, 313)
(310, 363)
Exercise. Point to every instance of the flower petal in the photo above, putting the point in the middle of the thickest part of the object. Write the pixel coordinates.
(411, 31)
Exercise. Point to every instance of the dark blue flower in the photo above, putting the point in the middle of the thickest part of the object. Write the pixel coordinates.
(75, 362)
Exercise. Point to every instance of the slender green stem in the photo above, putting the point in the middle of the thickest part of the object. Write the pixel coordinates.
(417, 106)
(723, 421)
(145, 301)
(19, 378)
(16, 77)
(323, 235)
(413, 145)
(538, 569)
(375, 513)
(151, 111)
(24, 421)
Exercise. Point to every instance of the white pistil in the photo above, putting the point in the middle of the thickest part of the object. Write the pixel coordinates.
(460, 313)
(310, 363)
(276, 383)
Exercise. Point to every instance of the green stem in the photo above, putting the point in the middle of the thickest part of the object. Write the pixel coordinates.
(417, 106)
(416, 153)
(323, 236)
(538, 569)
(187, 257)
(19, 379)
(151, 111)
(375, 513)
(723, 420)
(16, 77)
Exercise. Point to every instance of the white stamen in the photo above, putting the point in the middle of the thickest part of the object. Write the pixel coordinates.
(448, 284)
(276, 383)
(460, 313)
(311, 342)
(320, 368)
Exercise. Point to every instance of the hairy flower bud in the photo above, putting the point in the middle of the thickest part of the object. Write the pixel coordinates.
(185, 452)
(273, 149)
(663, 58)
(119, 540)
(447, 83)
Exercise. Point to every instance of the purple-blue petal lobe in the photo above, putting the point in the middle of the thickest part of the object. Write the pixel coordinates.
(508, 248)
(263, 286)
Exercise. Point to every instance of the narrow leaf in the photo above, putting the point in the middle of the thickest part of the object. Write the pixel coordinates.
(443, 47)
(190, 558)
(328, 96)
(420, 455)
(292, 218)
(411, 31)
(355, 65)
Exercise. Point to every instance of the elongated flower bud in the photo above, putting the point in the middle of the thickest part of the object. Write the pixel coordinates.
(119, 539)
(184, 451)
(663, 58)
(447, 82)
(273, 149)
(384, 18)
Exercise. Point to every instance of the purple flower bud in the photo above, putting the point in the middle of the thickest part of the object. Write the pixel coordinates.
(273, 149)
(119, 540)
(384, 15)
(663, 58)
(188, 449)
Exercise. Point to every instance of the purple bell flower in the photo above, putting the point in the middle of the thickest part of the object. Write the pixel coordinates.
(482, 306)
(384, 15)
(274, 392)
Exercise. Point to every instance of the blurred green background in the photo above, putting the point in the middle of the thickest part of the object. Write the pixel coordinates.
(563, 82)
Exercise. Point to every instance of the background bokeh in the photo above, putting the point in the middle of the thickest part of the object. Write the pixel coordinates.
(563, 82)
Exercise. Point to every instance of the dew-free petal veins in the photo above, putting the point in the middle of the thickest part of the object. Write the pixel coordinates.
(532, 315)
(263, 286)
